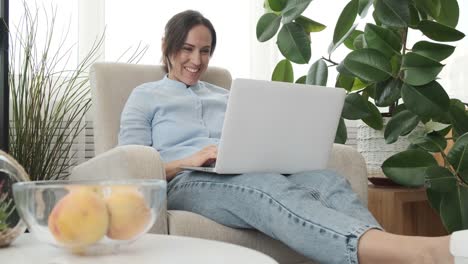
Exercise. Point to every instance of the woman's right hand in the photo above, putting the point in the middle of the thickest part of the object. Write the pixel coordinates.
(204, 157)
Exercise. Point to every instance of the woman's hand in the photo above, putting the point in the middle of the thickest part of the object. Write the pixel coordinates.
(204, 157)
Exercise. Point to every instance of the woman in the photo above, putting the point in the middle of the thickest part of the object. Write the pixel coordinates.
(313, 212)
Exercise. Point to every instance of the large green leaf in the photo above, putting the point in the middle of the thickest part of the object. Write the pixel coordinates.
(440, 179)
(450, 211)
(363, 7)
(277, 5)
(414, 16)
(294, 9)
(283, 72)
(433, 142)
(349, 41)
(318, 73)
(267, 26)
(393, 13)
(294, 43)
(344, 81)
(458, 116)
(449, 13)
(408, 167)
(359, 42)
(310, 25)
(427, 101)
(401, 124)
(434, 198)
(355, 107)
(387, 92)
(375, 119)
(458, 156)
(435, 51)
(431, 7)
(439, 32)
(369, 65)
(341, 132)
(345, 20)
(382, 39)
(418, 69)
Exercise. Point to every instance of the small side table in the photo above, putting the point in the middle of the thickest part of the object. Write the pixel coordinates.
(149, 249)
(404, 211)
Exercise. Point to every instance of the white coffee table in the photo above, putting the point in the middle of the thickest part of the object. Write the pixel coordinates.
(149, 249)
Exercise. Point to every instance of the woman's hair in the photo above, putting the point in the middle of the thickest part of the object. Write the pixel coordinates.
(176, 32)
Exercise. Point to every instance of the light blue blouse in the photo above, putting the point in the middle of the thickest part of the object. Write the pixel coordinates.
(175, 120)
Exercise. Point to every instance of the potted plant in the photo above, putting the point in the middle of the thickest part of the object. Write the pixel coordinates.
(382, 70)
(49, 96)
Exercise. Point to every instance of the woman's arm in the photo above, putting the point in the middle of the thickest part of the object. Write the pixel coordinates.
(205, 156)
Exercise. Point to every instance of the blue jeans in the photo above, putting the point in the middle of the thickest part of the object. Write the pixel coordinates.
(315, 213)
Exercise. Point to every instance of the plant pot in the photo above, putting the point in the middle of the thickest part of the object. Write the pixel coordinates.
(371, 144)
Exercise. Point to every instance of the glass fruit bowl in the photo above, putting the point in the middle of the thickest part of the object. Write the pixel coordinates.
(90, 217)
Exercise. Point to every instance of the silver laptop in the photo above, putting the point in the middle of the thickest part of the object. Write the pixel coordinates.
(277, 127)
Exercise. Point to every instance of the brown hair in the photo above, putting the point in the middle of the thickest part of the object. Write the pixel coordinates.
(176, 32)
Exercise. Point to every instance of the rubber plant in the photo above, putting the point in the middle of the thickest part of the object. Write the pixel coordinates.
(382, 70)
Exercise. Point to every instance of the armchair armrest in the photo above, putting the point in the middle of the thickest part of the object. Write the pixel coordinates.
(348, 162)
(126, 162)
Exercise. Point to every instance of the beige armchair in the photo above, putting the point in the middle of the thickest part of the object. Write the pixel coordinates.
(111, 84)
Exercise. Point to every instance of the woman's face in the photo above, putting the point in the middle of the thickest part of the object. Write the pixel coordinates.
(192, 60)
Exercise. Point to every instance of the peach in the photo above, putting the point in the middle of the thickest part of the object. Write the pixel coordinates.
(129, 213)
(79, 219)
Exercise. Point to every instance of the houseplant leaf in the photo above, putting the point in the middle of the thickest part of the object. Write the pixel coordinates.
(387, 92)
(435, 199)
(359, 42)
(368, 64)
(301, 79)
(449, 13)
(414, 16)
(419, 70)
(344, 81)
(374, 120)
(450, 212)
(283, 72)
(393, 13)
(294, 9)
(363, 7)
(400, 124)
(382, 39)
(318, 73)
(294, 43)
(454, 209)
(349, 41)
(355, 107)
(341, 132)
(428, 100)
(267, 26)
(440, 179)
(458, 116)
(435, 51)
(277, 5)
(431, 7)
(310, 25)
(458, 156)
(408, 167)
(432, 142)
(439, 32)
(345, 20)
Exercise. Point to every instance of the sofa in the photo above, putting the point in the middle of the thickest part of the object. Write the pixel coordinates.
(111, 84)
